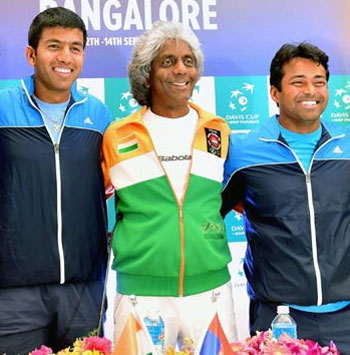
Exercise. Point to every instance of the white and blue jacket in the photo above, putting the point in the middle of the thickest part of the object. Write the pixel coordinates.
(297, 222)
(52, 201)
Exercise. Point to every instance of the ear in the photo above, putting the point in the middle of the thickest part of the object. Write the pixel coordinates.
(275, 94)
(149, 80)
(30, 55)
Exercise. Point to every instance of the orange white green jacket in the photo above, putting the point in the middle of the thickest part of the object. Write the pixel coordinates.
(163, 246)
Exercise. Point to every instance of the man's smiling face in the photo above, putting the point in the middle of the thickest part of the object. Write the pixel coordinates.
(57, 62)
(303, 96)
(172, 78)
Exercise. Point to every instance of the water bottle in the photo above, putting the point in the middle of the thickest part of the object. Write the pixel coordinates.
(155, 327)
(283, 323)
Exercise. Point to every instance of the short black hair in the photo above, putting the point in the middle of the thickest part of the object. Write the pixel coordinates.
(54, 17)
(289, 51)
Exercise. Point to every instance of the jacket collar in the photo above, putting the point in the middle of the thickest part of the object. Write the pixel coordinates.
(203, 115)
(28, 85)
(270, 129)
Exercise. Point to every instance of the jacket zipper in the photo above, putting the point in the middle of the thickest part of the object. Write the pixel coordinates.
(313, 238)
(59, 200)
(180, 209)
(59, 214)
(182, 251)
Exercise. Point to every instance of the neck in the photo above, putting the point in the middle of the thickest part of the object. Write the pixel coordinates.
(171, 112)
(54, 99)
(50, 96)
(302, 128)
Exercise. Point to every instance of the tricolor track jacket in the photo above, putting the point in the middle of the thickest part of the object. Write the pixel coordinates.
(162, 246)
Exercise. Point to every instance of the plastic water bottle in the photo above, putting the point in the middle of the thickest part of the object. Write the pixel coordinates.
(283, 323)
(155, 326)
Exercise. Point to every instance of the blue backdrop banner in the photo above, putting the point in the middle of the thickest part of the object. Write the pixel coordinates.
(239, 37)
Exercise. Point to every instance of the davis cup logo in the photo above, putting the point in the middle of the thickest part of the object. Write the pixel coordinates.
(338, 109)
(119, 98)
(241, 101)
(240, 97)
(342, 97)
(127, 103)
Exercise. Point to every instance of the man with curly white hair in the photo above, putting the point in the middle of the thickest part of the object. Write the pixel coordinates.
(165, 163)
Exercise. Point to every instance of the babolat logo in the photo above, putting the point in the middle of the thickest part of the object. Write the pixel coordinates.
(175, 157)
(213, 141)
(213, 230)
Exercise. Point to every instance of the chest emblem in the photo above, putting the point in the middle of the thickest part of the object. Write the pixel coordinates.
(213, 141)
(127, 144)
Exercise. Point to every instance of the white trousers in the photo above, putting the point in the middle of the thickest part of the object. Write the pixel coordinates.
(183, 317)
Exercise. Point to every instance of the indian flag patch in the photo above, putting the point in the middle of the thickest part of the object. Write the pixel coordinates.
(127, 144)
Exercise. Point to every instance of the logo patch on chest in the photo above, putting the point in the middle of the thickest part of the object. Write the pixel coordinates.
(127, 144)
(213, 141)
(212, 230)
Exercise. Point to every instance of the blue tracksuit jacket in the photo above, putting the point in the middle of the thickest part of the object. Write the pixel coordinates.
(52, 202)
(297, 222)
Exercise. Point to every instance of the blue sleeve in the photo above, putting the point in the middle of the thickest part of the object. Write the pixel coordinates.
(233, 190)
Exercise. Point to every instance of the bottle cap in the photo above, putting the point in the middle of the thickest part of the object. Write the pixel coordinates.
(283, 310)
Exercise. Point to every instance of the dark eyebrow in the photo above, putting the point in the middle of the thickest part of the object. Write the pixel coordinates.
(79, 44)
(320, 77)
(54, 40)
(301, 76)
